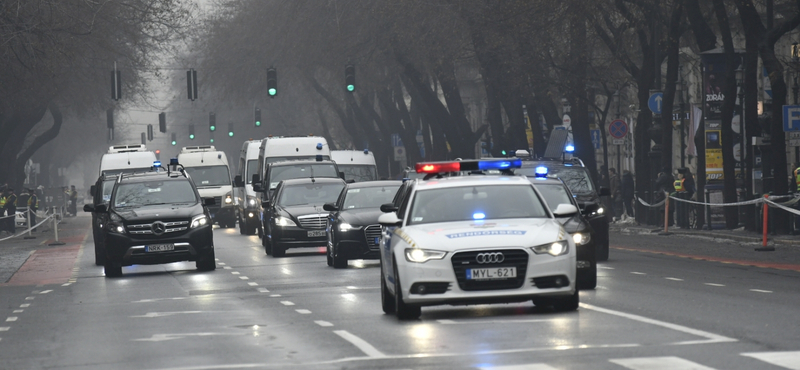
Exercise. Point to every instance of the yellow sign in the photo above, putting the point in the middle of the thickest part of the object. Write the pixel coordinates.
(529, 131)
(713, 155)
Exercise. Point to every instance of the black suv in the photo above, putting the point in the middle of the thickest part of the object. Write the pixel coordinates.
(586, 192)
(154, 218)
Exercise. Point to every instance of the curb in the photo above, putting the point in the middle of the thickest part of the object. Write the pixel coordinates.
(708, 234)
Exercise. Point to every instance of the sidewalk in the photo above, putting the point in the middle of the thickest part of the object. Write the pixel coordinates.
(739, 235)
(15, 252)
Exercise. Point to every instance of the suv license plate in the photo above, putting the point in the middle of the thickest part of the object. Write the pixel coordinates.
(159, 247)
(496, 273)
(315, 233)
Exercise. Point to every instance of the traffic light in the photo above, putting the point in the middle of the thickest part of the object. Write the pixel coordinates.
(212, 122)
(191, 132)
(150, 132)
(174, 140)
(144, 139)
(211, 137)
(191, 84)
(110, 118)
(258, 117)
(272, 82)
(116, 84)
(230, 129)
(350, 77)
(162, 122)
(158, 153)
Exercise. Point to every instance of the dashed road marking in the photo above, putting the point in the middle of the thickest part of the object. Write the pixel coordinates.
(361, 344)
(25, 305)
(605, 268)
(537, 366)
(18, 311)
(638, 273)
(287, 303)
(714, 284)
(4, 328)
(235, 272)
(11, 318)
(226, 267)
(323, 323)
(252, 283)
(221, 263)
(673, 279)
(45, 291)
(760, 291)
(789, 360)
(274, 295)
(66, 284)
(263, 290)
(303, 312)
(667, 362)
(30, 298)
(244, 278)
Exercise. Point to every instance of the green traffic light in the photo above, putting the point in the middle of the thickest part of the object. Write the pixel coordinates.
(258, 123)
(273, 92)
(230, 133)
(350, 88)
(174, 142)
(212, 128)
(212, 141)
(503, 152)
(191, 136)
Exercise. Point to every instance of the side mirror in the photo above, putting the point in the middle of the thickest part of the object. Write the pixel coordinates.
(565, 210)
(257, 187)
(330, 207)
(389, 219)
(256, 178)
(92, 190)
(265, 203)
(341, 175)
(237, 181)
(100, 208)
(388, 207)
(350, 181)
(209, 202)
(604, 192)
(88, 207)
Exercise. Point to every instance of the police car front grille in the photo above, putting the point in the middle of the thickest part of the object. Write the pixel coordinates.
(373, 235)
(312, 221)
(512, 258)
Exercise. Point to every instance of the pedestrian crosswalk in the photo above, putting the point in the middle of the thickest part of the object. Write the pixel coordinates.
(783, 360)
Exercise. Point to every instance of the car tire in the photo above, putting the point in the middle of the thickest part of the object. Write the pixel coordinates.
(567, 304)
(99, 253)
(277, 249)
(402, 310)
(588, 280)
(387, 299)
(110, 269)
(339, 262)
(602, 251)
(242, 226)
(207, 263)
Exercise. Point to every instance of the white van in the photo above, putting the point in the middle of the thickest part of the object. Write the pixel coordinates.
(210, 172)
(357, 165)
(246, 202)
(126, 158)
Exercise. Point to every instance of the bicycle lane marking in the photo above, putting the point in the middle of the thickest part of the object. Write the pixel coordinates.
(770, 265)
(50, 266)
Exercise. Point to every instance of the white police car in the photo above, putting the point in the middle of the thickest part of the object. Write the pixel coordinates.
(473, 240)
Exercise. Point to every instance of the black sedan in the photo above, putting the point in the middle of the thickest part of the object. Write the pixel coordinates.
(352, 228)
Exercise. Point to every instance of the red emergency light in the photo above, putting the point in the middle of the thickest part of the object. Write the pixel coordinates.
(438, 167)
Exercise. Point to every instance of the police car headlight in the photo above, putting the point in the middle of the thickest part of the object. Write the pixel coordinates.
(581, 238)
(423, 255)
(345, 227)
(555, 249)
(198, 221)
(284, 221)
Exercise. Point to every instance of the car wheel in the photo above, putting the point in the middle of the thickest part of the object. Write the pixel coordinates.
(387, 300)
(567, 304)
(329, 254)
(402, 310)
(588, 279)
(242, 226)
(207, 263)
(277, 249)
(602, 252)
(339, 262)
(110, 269)
(99, 253)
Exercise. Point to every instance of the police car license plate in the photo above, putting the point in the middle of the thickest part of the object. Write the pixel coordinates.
(492, 273)
(315, 233)
(159, 247)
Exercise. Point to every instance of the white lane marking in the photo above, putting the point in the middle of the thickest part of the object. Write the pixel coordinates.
(235, 272)
(303, 312)
(673, 279)
(252, 283)
(263, 290)
(18, 311)
(789, 360)
(163, 337)
(658, 363)
(760, 291)
(226, 267)
(11, 318)
(605, 268)
(25, 305)
(46, 291)
(453, 322)
(519, 367)
(351, 287)
(361, 344)
(244, 278)
(710, 337)
(30, 298)
(4, 328)
(158, 299)
(66, 284)
(221, 263)
(274, 295)
(323, 323)
(162, 314)
(713, 284)
(638, 273)
(287, 303)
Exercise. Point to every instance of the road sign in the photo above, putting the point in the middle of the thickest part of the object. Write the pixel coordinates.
(654, 103)
(566, 120)
(618, 141)
(396, 140)
(595, 138)
(399, 153)
(618, 129)
(791, 118)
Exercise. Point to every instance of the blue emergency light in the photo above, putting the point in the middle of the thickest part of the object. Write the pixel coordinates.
(366, 151)
(478, 216)
(569, 148)
(469, 165)
(541, 172)
(173, 161)
(157, 164)
(319, 146)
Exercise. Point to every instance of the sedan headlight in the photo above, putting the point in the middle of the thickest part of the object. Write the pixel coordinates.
(228, 199)
(423, 255)
(344, 227)
(555, 249)
(116, 228)
(581, 238)
(200, 220)
(284, 221)
(251, 201)
(601, 210)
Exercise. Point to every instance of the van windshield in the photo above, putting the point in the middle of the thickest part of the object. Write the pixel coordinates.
(210, 175)
(300, 171)
(252, 168)
(359, 173)
(297, 158)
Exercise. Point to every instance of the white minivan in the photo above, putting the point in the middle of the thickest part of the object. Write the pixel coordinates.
(126, 158)
(356, 165)
(247, 209)
(211, 173)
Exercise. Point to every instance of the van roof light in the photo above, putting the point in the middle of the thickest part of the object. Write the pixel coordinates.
(319, 145)
(366, 151)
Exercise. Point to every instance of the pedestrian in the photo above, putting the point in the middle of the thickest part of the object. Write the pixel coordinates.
(2, 209)
(627, 190)
(616, 196)
(73, 200)
(33, 206)
(11, 210)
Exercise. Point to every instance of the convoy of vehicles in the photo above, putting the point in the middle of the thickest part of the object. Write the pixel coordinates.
(356, 165)
(211, 173)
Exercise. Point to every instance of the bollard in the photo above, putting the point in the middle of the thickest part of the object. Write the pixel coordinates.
(29, 226)
(666, 215)
(55, 229)
(765, 228)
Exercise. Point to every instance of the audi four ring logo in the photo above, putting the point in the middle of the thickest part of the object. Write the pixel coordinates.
(490, 257)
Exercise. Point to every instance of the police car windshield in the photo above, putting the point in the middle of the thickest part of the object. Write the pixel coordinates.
(359, 173)
(301, 171)
(310, 194)
(210, 175)
(369, 197)
(144, 193)
(554, 194)
(470, 203)
(252, 168)
(576, 178)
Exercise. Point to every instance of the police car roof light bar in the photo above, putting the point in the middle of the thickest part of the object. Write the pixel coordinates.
(473, 165)
(569, 148)
(541, 172)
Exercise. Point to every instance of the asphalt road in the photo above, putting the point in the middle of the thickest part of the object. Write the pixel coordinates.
(656, 307)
